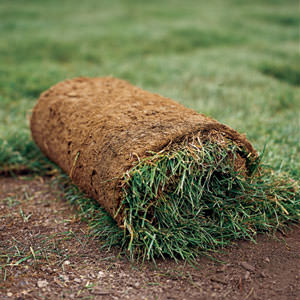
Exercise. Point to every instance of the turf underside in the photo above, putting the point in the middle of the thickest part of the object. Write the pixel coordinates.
(191, 200)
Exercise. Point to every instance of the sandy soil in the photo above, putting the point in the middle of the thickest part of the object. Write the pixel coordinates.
(46, 253)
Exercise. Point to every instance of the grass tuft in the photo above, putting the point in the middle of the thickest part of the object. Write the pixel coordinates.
(19, 154)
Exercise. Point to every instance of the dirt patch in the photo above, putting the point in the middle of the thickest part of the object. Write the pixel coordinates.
(46, 253)
(95, 129)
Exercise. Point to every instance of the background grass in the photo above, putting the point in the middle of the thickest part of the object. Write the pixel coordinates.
(237, 61)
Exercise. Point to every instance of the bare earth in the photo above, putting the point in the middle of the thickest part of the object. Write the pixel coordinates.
(46, 253)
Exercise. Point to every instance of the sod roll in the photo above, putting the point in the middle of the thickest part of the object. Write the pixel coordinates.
(97, 129)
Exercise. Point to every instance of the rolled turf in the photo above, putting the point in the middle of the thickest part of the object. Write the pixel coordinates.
(175, 180)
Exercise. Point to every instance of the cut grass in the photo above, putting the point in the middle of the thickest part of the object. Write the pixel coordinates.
(191, 200)
(16, 254)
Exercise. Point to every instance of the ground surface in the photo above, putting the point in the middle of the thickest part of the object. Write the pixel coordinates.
(46, 253)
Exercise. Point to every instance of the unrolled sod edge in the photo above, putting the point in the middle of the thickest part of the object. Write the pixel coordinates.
(96, 129)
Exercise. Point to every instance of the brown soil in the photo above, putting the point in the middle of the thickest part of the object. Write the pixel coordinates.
(49, 255)
(96, 128)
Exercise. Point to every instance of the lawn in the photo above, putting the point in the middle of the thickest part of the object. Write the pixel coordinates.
(237, 61)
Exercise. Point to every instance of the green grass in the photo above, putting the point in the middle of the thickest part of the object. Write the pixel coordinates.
(233, 60)
(192, 199)
(287, 73)
(189, 200)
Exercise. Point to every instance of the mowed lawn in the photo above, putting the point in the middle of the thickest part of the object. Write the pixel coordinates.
(237, 61)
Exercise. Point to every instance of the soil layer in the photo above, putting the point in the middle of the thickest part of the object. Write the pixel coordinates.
(52, 256)
(96, 128)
